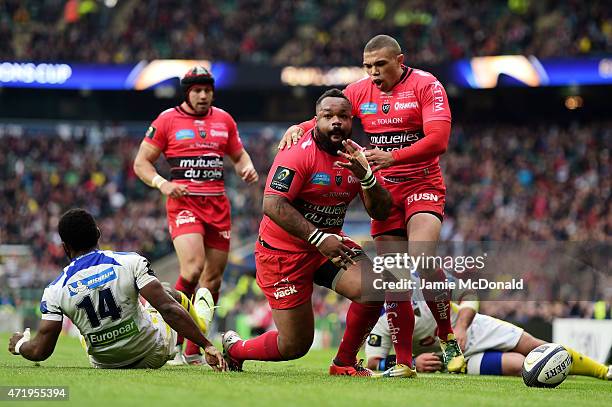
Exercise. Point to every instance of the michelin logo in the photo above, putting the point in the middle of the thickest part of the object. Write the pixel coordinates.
(92, 282)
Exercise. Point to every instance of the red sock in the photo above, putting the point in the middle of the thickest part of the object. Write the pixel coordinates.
(438, 302)
(400, 317)
(215, 296)
(264, 347)
(187, 288)
(360, 320)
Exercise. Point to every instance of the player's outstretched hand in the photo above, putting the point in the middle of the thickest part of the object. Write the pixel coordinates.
(173, 189)
(428, 363)
(215, 359)
(333, 248)
(291, 137)
(249, 175)
(357, 162)
(16, 338)
(379, 159)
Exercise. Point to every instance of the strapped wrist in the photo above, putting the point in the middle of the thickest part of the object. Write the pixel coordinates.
(316, 237)
(158, 181)
(369, 180)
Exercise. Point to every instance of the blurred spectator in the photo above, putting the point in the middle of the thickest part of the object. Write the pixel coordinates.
(306, 32)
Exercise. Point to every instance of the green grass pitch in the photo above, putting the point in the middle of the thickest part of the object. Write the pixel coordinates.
(302, 382)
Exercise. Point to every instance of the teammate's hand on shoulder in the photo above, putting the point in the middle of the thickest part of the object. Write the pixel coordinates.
(334, 249)
(215, 359)
(249, 175)
(174, 190)
(428, 363)
(291, 137)
(379, 159)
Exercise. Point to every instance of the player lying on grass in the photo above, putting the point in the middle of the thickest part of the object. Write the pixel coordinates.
(301, 242)
(99, 291)
(491, 346)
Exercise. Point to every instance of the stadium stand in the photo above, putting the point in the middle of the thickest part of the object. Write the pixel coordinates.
(330, 32)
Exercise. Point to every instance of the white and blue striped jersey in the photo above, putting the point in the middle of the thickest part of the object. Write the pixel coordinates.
(98, 291)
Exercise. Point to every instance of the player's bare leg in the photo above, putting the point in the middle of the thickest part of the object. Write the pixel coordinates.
(360, 320)
(291, 340)
(423, 235)
(190, 253)
(582, 365)
(214, 266)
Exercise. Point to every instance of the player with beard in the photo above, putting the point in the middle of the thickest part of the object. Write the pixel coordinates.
(194, 137)
(406, 114)
(301, 241)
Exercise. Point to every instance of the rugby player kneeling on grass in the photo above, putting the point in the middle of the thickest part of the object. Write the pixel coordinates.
(301, 241)
(99, 291)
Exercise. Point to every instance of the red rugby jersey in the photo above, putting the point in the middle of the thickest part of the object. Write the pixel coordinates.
(394, 120)
(194, 146)
(319, 190)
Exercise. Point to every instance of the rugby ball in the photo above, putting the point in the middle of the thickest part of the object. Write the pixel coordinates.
(546, 366)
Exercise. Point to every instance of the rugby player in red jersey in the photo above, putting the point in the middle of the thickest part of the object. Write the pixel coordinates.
(301, 242)
(194, 137)
(406, 114)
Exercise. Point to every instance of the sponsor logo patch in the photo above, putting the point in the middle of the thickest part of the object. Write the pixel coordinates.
(282, 179)
(368, 108)
(218, 133)
(320, 178)
(185, 216)
(150, 132)
(405, 105)
(426, 196)
(374, 340)
(92, 282)
(113, 334)
(185, 134)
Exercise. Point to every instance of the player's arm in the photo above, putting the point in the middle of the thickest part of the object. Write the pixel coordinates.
(279, 209)
(43, 344)
(435, 143)
(295, 132)
(465, 316)
(180, 320)
(145, 170)
(244, 166)
(376, 199)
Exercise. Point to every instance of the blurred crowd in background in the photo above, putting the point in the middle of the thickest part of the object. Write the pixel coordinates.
(305, 32)
(537, 182)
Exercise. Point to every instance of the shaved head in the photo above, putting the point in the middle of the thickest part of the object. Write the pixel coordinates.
(381, 42)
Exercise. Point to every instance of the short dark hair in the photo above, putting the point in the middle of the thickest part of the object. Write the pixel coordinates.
(383, 41)
(78, 229)
(331, 93)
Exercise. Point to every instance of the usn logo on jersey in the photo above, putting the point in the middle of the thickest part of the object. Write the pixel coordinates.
(91, 282)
